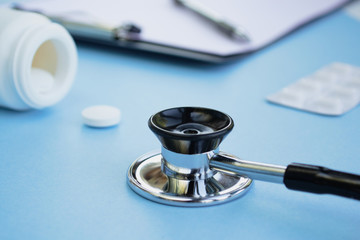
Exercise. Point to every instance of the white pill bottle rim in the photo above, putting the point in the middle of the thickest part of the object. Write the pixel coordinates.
(47, 46)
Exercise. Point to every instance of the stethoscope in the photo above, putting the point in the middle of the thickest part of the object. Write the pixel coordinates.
(191, 171)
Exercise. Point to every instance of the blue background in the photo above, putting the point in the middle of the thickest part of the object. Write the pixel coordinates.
(62, 180)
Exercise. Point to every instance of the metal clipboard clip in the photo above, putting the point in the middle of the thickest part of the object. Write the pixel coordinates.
(88, 27)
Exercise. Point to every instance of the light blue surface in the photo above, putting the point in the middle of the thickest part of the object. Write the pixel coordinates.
(62, 180)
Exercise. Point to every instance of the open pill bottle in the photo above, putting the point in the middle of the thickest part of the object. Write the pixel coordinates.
(38, 60)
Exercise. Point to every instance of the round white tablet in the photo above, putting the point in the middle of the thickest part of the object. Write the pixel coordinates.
(43, 80)
(101, 116)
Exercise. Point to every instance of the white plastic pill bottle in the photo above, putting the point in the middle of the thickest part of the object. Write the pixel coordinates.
(38, 60)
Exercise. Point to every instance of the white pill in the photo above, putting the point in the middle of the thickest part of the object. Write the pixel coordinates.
(101, 116)
(42, 80)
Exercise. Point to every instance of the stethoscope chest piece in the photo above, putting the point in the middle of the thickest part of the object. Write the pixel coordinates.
(180, 174)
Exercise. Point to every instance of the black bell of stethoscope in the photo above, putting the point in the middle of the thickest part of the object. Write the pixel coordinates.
(191, 171)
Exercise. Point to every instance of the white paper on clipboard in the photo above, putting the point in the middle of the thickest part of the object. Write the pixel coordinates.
(163, 23)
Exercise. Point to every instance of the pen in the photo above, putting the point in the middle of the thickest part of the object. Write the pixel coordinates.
(236, 32)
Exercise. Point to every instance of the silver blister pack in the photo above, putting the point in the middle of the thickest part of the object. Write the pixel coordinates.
(332, 90)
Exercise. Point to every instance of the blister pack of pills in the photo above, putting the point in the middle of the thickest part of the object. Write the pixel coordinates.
(332, 90)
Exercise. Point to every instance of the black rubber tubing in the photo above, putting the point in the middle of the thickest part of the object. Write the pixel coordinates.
(316, 179)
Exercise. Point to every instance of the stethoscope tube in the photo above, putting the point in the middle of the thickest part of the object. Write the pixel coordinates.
(301, 177)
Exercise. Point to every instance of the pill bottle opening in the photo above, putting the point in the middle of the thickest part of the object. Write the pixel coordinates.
(51, 67)
(43, 68)
(44, 65)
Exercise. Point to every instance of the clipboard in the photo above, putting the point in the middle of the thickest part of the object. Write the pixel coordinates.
(169, 29)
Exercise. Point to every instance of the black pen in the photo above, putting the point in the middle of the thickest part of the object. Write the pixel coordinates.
(236, 32)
